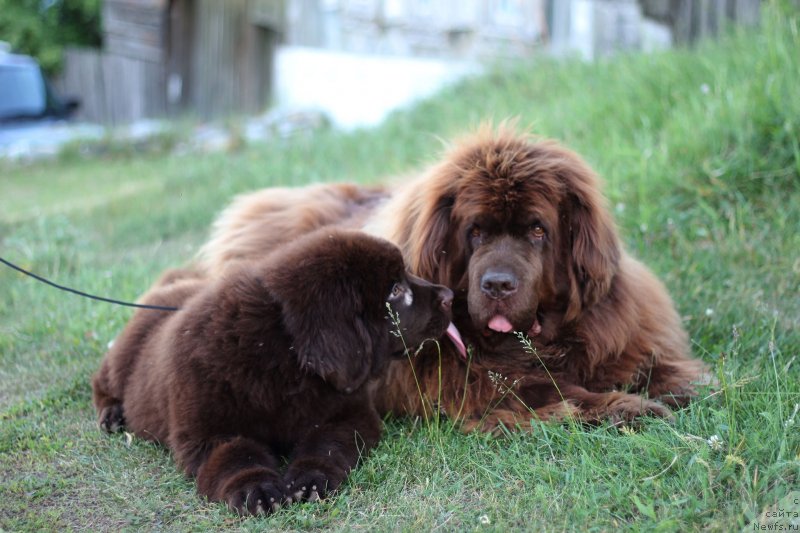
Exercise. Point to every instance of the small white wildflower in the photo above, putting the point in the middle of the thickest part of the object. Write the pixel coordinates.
(705, 89)
(790, 420)
(498, 379)
(709, 311)
(484, 520)
(643, 227)
(620, 207)
(715, 442)
(501, 382)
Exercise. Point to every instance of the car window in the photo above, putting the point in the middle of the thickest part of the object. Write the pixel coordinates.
(22, 91)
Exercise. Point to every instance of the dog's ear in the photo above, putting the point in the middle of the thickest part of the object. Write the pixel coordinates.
(335, 339)
(592, 245)
(435, 254)
(427, 243)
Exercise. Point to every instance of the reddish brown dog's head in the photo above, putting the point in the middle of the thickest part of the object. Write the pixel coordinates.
(520, 228)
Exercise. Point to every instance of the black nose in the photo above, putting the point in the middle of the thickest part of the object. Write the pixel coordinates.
(445, 298)
(499, 285)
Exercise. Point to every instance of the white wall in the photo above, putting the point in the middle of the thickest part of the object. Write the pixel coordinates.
(357, 89)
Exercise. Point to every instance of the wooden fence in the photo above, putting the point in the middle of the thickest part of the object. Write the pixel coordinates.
(209, 58)
(693, 20)
(113, 89)
(231, 58)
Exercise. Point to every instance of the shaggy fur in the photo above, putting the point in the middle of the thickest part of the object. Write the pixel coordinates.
(277, 358)
(289, 213)
(520, 231)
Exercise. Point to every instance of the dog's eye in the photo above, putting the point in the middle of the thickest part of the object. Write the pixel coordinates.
(537, 232)
(475, 236)
(397, 290)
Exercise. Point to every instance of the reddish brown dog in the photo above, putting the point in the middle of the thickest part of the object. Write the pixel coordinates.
(519, 229)
(278, 358)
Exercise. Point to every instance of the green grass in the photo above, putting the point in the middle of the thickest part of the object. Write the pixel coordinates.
(700, 152)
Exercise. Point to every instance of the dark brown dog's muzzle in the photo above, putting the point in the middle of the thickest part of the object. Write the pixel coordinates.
(445, 299)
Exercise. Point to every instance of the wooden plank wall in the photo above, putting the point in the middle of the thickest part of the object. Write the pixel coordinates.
(692, 20)
(231, 63)
(221, 51)
(126, 81)
(698, 19)
(135, 28)
(180, 44)
(113, 89)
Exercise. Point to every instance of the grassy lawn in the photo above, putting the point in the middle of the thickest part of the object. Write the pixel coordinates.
(700, 153)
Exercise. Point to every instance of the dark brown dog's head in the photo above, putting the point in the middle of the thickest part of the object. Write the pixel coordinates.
(520, 229)
(334, 288)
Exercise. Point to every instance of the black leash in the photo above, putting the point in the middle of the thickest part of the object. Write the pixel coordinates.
(85, 295)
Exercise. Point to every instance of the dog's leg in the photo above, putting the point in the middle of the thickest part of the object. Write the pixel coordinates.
(498, 421)
(127, 351)
(616, 407)
(322, 461)
(110, 417)
(677, 383)
(568, 402)
(240, 472)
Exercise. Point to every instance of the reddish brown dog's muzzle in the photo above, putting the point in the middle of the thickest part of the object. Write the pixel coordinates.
(499, 285)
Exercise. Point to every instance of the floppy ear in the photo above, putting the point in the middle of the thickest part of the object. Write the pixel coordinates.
(592, 245)
(434, 256)
(427, 245)
(333, 339)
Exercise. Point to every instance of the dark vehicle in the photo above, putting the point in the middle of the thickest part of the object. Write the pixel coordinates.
(25, 94)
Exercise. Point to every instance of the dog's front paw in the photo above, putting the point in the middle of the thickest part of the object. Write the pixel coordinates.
(307, 486)
(111, 419)
(256, 497)
(631, 407)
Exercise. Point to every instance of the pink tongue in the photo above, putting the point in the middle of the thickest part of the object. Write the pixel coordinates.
(501, 324)
(455, 336)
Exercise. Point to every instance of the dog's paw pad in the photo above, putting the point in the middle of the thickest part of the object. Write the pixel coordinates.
(310, 486)
(631, 408)
(267, 507)
(111, 419)
(256, 499)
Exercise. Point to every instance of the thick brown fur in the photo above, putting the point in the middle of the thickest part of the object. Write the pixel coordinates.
(278, 357)
(519, 229)
(289, 213)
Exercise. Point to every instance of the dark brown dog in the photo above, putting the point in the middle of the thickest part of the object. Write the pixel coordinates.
(519, 229)
(277, 358)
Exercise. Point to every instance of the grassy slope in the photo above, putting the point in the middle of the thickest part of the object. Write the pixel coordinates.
(700, 152)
